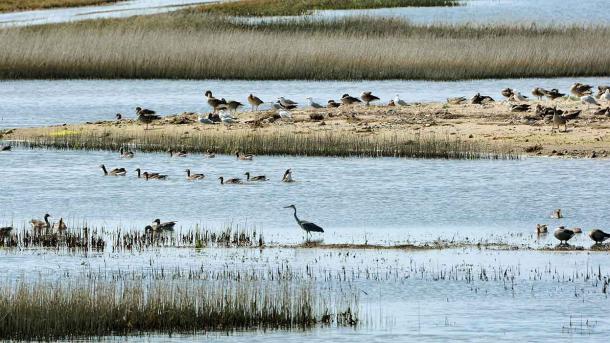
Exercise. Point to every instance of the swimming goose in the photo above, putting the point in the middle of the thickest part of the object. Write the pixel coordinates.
(541, 228)
(332, 104)
(399, 102)
(554, 94)
(368, 97)
(255, 102)
(589, 100)
(287, 176)
(243, 157)
(149, 174)
(539, 92)
(146, 116)
(234, 105)
(39, 225)
(346, 99)
(314, 104)
(605, 96)
(255, 178)
(507, 92)
(126, 153)
(154, 176)
(580, 90)
(114, 172)
(166, 226)
(456, 100)
(563, 234)
(599, 236)
(231, 181)
(193, 177)
(173, 153)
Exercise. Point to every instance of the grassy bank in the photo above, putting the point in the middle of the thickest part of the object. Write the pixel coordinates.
(300, 7)
(45, 311)
(196, 46)
(20, 5)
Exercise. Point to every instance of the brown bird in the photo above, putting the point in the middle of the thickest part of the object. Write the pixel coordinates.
(563, 234)
(332, 104)
(601, 90)
(232, 181)
(554, 94)
(114, 172)
(580, 90)
(368, 97)
(39, 225)
(146, 116)
(255, 102)
(193, 177)
(602, 112)
(457, 100)
(507, 92)
(599, 236)
(255, 178)
(520, 108)
(214, 103)
(346, 99)
(539, 92)
(233, 105)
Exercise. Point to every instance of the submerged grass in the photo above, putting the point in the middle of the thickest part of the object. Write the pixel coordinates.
(193, 45)
(45, 310)
(301, 7)
(274, 142)
(19, 5)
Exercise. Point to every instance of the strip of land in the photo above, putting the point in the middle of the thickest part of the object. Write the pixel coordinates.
(21, 5)
(434, 130)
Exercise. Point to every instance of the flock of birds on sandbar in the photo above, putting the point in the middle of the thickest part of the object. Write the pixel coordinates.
(564, 234)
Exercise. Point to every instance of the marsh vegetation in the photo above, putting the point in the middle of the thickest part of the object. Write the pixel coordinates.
(19, 5)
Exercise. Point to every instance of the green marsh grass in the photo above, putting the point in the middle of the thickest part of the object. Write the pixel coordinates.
(19, 5)
(190, 45)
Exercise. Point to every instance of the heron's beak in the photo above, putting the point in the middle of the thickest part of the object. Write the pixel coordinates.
(287, 206)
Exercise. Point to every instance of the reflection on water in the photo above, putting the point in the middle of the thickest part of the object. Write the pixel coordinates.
(39, 103)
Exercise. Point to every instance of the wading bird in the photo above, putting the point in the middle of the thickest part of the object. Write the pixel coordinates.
(559, 119)
(563, 235)
(114, 172)
(309, 227)
(599, 236)
(255, 102)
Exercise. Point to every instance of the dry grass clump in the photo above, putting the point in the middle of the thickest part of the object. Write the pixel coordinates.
(18, 5)
(300, 7)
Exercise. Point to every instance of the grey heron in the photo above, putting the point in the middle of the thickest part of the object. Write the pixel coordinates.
(599, 236)
(309, 227)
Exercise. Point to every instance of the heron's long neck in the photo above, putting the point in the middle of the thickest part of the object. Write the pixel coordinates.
(295, 214)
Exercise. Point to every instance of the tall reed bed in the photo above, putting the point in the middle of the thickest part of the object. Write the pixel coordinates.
(274, 142)
(46, 310)
(19, 5)
(198, 46)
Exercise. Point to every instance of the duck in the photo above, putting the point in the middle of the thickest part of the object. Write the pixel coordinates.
(557, 214)
(193, 177)
(589, 100)
(332, 104)
(314, 104)
(61, 225)
(255, 102)
(113, 172)
(507, 92)
(541, 228)
(456, 100)
(287, 176)
(598, 236)
(368, 97)
(346, 99)
(126, 153)
(39, 225)
(580, 90)
(154, 176)
(210, 153)
(146, 116)
(255, 178)
(243, 157)
(539, 92)
(166, 226)
(173, 153)
(554, 94)
(399, 102)
(231, 181)
(563, 234)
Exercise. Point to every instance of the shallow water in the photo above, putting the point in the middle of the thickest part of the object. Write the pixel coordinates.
(115, 10)
(539, 12)
(40, 103)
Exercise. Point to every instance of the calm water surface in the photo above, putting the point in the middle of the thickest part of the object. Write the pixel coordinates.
(39, 103)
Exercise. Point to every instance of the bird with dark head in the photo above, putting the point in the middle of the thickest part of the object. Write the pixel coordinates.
(166, 226)
(563, 235)
(598, 236)
(309, 227)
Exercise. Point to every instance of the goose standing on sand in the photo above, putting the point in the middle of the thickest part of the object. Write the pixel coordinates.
(539, 92)
(243, 157)
(347, 99)
(146, 116)
(580, 90)
(125, 153)
(40, 225)
(332, 104)
(255, 102)
(166, 226)
(554, 94)
(589, 100)
(507, 92)
(214, 103)
(255, 178)
(287, 176)
(193, 177)
(563, 235)
(314, 104)
(559, 119)
(368, 97)
(598, 236)
(113, 172)
(231, 181)
(399, 102)
(309, 227)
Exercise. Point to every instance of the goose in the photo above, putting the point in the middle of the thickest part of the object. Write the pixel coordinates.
(210, 154)
(589, 100)
(146, 116)
(154, 176)
(214, 103)
(539, 92)
(557, 214)
(368, 97)
(541, 228)
(507, 92)
(580, 90)
(114, 172)
(598, 236)
(139, 172)
(456, 100)
(605, 96)
(255, 102)
(309, 227)
(287, 176)
(346, 99)
(332, 104)
(255, 178)
(563, 234)
(5, 231)
(232, 181)
(173, 153)
(554, 94)
(479, 99)
(602, 112)
(126, 153)
(166, 226)
(5, 148)
(559, 119)
(314, 104)
(39, 225)
(286, 103)
(399, 102)
(61, 225)
(243, 157)
(601, 90)
(234, 105)
(193, 177)
(205, 120)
